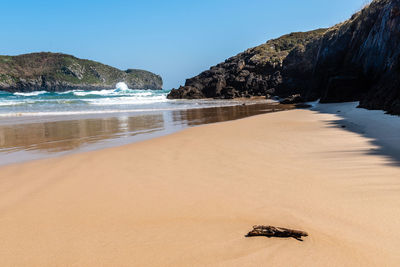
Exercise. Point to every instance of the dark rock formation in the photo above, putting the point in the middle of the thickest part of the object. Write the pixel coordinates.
(255, 72)
(292, 99)
(60, 72)
(358, 60)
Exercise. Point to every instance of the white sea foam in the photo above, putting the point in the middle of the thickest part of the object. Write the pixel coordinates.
(131, 100)
(122, 86)
(31, 93)
(10, 103)
(87, 93)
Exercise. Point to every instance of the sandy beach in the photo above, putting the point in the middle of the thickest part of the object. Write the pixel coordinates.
(189, 198)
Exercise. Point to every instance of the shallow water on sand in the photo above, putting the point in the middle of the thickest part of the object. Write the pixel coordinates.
(41, 137)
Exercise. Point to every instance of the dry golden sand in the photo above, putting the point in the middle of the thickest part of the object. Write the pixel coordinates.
(189, 198)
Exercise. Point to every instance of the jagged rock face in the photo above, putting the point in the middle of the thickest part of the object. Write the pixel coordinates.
(359, 59)
(255, 72)
(60, 72)
(356, 60)
(380, 57)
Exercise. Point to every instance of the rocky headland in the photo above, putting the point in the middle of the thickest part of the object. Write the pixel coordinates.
(57, 72)
(357, 60)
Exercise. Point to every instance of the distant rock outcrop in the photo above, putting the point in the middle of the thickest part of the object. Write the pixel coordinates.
(60, 72)
(357, 60)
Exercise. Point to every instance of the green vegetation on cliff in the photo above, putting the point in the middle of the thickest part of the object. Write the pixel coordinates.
(60, 72)
(273, 52)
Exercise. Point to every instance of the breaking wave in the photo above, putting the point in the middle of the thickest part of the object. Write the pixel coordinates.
(73, 102)
(122, 95)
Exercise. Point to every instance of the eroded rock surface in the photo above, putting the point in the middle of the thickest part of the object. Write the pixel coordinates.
(358, 60)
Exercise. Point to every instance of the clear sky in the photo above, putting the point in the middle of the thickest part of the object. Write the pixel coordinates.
(174, 38)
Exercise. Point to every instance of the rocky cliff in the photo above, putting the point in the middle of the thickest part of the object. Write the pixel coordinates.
(60, 72)
(358, 59)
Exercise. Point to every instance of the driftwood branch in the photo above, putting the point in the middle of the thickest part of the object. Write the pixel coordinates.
(271, 231)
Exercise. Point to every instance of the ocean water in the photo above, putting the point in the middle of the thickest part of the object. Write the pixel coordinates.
(45, 124)
(79, 102)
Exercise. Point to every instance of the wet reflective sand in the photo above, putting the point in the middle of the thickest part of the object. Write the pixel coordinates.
(40, 139)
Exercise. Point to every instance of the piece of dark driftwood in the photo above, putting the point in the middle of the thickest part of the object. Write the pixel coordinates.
(271, 231)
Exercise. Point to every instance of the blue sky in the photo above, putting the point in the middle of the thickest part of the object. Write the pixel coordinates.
(176, 39)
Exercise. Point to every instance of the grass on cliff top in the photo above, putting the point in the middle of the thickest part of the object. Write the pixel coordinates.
(289, 41)
(275, 50)
(5, 59)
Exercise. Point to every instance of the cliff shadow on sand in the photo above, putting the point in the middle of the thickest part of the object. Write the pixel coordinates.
(382, 130)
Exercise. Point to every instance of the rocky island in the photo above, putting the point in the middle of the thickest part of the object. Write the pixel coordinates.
(357, 60)
(57, 72)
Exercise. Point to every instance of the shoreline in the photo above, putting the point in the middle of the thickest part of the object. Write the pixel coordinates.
(45, 138)
(27, 117)
(188, 199)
